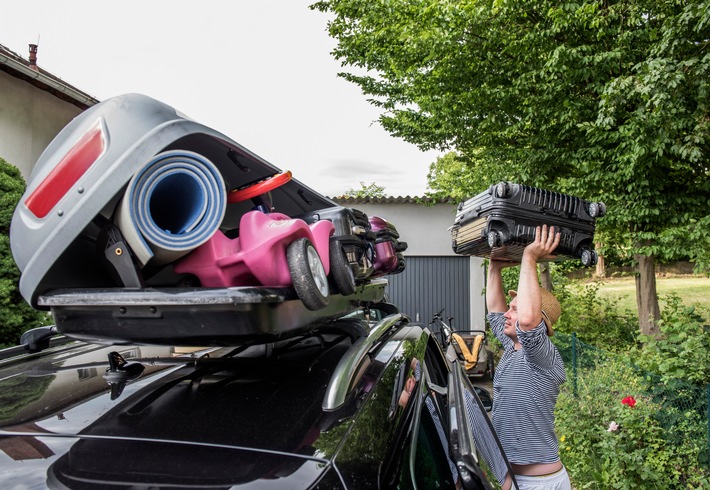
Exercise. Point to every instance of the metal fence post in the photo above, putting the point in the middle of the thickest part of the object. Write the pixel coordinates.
(574, 365)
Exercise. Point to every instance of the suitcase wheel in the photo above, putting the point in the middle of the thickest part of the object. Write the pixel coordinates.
(502, 190)
(597, 209)
(589, 257)
(493, 239)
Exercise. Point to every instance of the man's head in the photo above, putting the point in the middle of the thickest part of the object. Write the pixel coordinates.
(551, 309)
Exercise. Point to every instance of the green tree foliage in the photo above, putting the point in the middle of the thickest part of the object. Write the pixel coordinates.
(455, 176)
(605, 100)
(16, 315)
(367, 190)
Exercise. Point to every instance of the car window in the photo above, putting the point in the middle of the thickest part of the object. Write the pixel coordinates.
(429, 462)
(477, 447)
(437, 369)
(432, 468)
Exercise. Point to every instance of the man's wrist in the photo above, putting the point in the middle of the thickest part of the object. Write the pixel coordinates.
(529, 257)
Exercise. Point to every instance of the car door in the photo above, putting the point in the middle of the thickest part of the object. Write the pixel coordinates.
(430, 462)
(475, 446)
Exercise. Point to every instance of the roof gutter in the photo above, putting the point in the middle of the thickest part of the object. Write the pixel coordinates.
(50, 82)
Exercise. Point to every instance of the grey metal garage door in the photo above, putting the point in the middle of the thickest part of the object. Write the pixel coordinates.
(429, 284)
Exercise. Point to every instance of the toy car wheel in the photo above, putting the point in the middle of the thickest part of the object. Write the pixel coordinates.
(307, 274)
(340, 270)
(493, 239)
(602, 209)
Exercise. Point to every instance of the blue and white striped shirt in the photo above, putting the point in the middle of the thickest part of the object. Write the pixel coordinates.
(525, 389)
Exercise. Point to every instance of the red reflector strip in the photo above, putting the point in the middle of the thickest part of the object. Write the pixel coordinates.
(63, 177)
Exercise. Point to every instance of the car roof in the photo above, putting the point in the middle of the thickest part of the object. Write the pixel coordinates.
(261, 406)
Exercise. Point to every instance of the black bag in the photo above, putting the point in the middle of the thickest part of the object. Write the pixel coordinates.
(501, 221)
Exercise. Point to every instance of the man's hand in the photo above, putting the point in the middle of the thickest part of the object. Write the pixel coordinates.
(546, 241)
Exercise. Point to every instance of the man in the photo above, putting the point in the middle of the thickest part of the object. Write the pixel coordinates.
(529, 374)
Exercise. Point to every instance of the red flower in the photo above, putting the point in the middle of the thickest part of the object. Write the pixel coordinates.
(629, 400)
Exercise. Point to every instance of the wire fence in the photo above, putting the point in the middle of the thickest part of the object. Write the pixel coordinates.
(681, 409)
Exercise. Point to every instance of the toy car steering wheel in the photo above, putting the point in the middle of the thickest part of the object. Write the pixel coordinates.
(261, 187)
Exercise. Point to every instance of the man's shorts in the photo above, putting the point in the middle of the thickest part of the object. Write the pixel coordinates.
(558, 480)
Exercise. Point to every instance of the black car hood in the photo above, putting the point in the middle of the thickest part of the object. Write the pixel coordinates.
(212, 421)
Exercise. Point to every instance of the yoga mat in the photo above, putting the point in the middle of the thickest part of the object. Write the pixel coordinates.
(172, 205)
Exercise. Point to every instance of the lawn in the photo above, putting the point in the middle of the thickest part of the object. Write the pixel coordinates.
(692, 289)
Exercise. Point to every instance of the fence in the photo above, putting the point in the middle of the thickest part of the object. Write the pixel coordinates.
(682, 409)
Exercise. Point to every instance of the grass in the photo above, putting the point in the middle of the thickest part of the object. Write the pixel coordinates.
(691, 289)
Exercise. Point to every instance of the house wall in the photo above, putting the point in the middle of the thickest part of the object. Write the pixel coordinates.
(424, 228)
(435, 277)
(30, 118)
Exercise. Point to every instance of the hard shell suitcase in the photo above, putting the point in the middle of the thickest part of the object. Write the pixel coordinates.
(388, 247)
(501, 221)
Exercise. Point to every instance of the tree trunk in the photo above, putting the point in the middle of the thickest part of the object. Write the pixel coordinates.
(646, 297)
(601, 267)
(545, 278)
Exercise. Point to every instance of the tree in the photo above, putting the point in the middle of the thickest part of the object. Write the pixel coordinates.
(16, 315)
(367, 190)
(605, 100)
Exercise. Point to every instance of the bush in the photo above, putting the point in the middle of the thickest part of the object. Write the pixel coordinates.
(682, 350)
(594, 318)
(16, 316)
(612, 436)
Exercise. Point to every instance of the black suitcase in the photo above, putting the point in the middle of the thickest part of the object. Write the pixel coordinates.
(500, 222)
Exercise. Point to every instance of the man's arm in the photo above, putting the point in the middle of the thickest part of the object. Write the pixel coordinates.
(529, 302)
(495, 296)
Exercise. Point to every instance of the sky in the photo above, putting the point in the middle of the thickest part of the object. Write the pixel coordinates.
(261, 72)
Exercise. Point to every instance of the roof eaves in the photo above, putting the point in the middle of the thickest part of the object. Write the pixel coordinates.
(393, 200)
(18, 67)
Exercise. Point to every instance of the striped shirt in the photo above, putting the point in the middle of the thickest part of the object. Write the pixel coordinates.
(525, 389)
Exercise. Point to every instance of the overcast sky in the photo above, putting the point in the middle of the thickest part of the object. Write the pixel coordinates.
(259, 71)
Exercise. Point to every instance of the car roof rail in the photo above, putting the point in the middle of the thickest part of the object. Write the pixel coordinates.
(351, 364)
(25, 347)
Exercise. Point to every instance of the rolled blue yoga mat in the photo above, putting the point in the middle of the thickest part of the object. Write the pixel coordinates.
(172, 205)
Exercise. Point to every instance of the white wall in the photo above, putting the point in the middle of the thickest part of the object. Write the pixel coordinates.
(424, 228)
(30, 118)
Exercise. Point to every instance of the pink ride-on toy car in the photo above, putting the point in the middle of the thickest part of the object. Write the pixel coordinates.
(271, 250)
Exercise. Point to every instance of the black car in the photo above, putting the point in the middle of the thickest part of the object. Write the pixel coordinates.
(322, 410)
